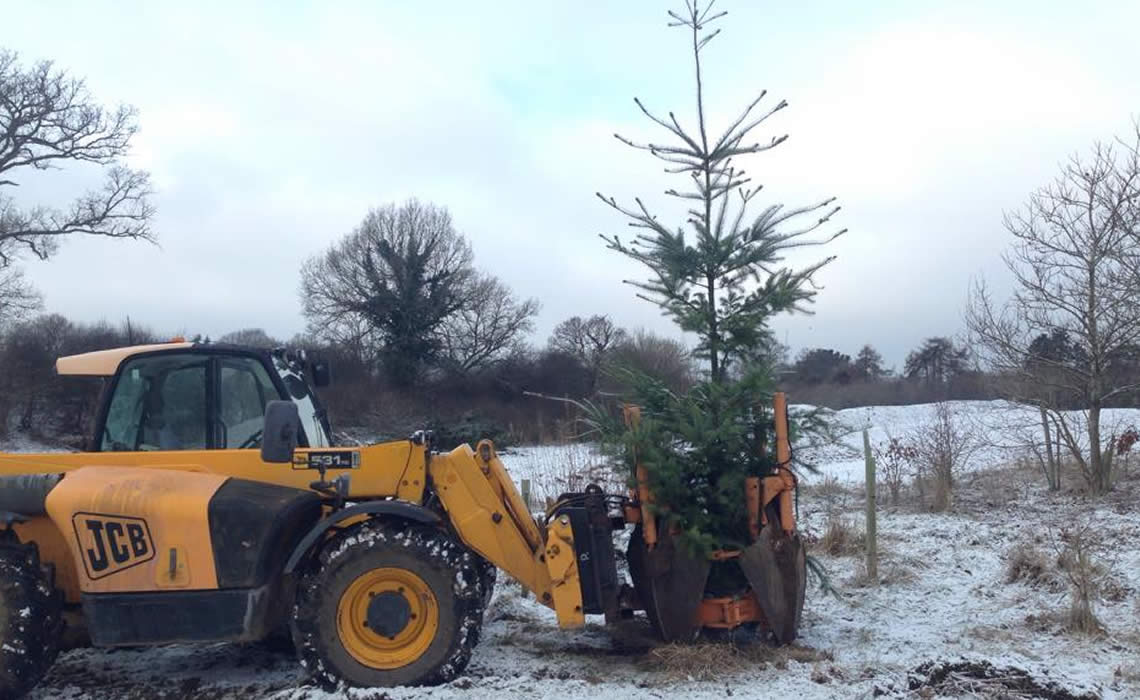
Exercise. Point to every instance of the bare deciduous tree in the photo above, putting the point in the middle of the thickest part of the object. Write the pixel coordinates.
(591, 340)
(31, 393)
(17, 297)
(252, 337)
(1073, 262)
(49, 120)
(665, 359)
(392, 282)
(488, 327)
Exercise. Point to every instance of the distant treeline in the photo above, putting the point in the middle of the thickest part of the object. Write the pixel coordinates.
(938, 370)
(517, 398)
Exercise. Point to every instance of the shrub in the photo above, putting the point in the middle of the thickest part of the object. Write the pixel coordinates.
(842, 537)
(894, 460)
(1086, 575)
(467, 429)
(943, 446)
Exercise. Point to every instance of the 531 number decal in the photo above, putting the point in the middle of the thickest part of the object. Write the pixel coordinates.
(327, 459)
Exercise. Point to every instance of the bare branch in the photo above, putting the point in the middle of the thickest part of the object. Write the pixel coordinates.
(49, 120)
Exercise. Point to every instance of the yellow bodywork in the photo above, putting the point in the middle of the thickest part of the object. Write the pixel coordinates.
(381, 472)
(482, 504)
(489, 514)
(171, 546)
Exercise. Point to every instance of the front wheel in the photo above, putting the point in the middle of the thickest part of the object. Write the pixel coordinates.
(387, 606)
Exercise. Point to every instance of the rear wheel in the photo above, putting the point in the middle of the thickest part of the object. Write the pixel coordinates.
(389, 605)
(31, 619)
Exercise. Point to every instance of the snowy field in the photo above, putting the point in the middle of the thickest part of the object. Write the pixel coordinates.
(1001, 431)
(943, 617)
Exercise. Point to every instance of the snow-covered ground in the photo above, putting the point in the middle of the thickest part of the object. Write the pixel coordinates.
(1001, 432)
(944, 599)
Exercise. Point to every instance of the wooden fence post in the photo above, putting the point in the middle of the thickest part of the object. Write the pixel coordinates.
(872, 525)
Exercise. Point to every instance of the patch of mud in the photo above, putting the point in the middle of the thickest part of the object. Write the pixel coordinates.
(981, 678)
(198, 672)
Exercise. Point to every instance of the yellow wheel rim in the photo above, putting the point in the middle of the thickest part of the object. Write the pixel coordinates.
(389, 641)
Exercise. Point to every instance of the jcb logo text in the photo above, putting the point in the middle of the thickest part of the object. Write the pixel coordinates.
(110, 543)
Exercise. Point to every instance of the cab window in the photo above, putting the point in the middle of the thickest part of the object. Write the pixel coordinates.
(245, 388)
(188, 401)
(159, 404)
(313, 423)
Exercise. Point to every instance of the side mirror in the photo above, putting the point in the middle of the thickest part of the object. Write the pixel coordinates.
(279, 437)
(321, 372)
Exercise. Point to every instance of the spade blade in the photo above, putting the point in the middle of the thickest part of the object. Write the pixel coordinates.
(670, 584)
(776, 566)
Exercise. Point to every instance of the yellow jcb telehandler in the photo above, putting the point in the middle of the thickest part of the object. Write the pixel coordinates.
(211, 505)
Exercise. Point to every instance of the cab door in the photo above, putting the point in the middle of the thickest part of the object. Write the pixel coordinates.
(244, 387)
(160, 402)
(204, 410)
(187, 401)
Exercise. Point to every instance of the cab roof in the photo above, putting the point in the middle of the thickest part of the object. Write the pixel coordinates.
(104, 363)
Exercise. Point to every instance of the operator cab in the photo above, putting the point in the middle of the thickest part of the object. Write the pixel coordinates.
(195, 396)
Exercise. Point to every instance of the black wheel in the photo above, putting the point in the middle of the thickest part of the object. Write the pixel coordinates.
(487, 574)
(31, 619)
(389, 605)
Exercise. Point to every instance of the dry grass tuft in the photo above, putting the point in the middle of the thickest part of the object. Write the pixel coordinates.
(1028, 564)
(892, 572)
(1086, 577)
(842, 537)
(710, 661)
(1077, 566)
(1081, 619)
(830, 493)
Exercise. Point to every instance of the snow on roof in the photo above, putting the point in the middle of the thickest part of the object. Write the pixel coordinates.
(104, 363)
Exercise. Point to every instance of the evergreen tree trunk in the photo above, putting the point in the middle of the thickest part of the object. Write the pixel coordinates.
(715, 369)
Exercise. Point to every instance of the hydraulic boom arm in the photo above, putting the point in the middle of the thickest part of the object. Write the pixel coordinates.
(489, 515)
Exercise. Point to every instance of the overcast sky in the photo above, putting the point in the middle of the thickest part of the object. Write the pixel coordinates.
(271, 129)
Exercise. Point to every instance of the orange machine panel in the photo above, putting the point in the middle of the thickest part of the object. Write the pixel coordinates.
(134, 529)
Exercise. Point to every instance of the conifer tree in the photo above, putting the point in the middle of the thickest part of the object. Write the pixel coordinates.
(722, 275)
(869, 364)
